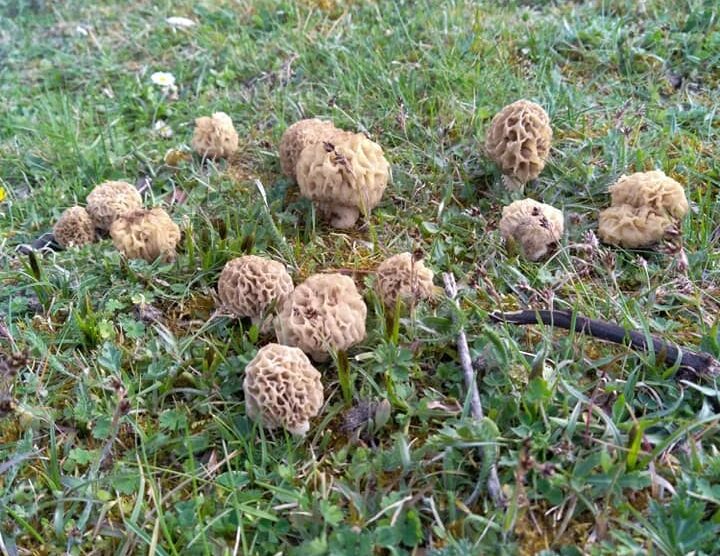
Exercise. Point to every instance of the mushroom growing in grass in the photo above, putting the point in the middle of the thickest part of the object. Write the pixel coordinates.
(282, 389)
(74, 228)
(110, 200)
(146, 234)
(252, 286)
(344, 178)
(645, 208)
(518, 141)
(535, 227)
(215, 136)
(300, 135)
(403, 278)
(323, 314)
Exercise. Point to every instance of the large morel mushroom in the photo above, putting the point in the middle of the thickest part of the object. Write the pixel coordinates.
(323, 314)
(535, 227)
(215, 136)
(299, 135)
(402, 277)
(111, 200)
(344, 178)
(518, 141)
(282, 389)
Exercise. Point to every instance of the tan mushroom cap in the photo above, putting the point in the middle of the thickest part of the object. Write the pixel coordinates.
(345, 178)
(110, 200)
(215, 137)
(536, 227)
(632, 227)
(282, 389)
(298, 136)
(146, 234)
(324, 313)
(402, 277)
(74, 228)
(250, 286)
(519, 139)
(654, 190)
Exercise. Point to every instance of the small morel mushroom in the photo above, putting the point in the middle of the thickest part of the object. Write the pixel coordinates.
(215, 137)
(146, 234)
(654, 190)
(344, 178)
(518, 141)
(632, 227)
(282, 389)
(250, 286)
(74, 228)
(324, 313)
(645, 206)
(536, 227)
(298, 136)
(110, 200)
(402, 277)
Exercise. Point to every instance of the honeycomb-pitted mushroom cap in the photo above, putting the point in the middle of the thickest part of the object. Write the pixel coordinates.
(146, 234)
(535, 226)
(298, 136)
(282, 389)
(110, 200)
(655, 190)
(74, 228)
(400, 276)
(632, 227)
(519, 139)
(215, 137)
(250, 285)
(324, 313)
(343, 178)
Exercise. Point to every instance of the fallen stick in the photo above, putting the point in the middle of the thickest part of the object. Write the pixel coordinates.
(668, 353)
(476, 410)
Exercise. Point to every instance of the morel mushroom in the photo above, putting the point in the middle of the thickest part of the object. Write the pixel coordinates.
(322, 314)
(645, 206)
(282, 389)
(344, 178)
(146, 234)
(250, 286)
(535, 227)
(74, 228)
(403, 277)
(111, 200)
(300, 135)
(215, 137)
(518, 141)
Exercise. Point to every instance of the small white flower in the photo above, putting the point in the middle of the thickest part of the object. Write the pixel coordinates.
(82, 30)
(163, 79)
(163, 129)
(180, 22)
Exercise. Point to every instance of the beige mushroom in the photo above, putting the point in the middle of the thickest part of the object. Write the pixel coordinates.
(298, 136)
(251, 286)
(400, 276)
(632, 227)
(344, 178)
(518, 141)
(146, 234)
(74, 228)
(282, 389)
(535, 227)
(654, 190)
(215, 137)
(322, 314)
(110, 200)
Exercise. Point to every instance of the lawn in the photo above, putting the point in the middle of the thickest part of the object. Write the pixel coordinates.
(123, 427)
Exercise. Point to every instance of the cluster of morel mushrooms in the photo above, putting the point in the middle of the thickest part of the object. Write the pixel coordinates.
(345, 174)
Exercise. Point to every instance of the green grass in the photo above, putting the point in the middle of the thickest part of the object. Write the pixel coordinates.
(599, 450)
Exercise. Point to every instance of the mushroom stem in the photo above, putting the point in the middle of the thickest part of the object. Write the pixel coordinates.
(493, 482)
(669, 354)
